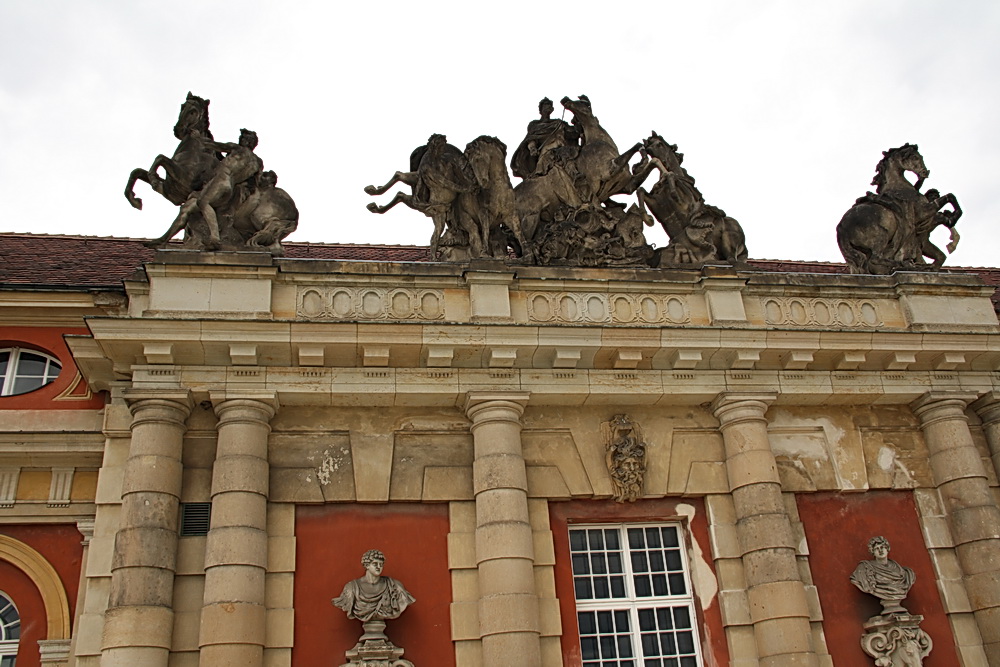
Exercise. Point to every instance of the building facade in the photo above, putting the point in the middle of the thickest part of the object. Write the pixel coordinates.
(564, 466)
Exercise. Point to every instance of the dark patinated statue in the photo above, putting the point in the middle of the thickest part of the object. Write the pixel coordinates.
(563, 211)
(889, 230)
(699, 233)
(225, 200)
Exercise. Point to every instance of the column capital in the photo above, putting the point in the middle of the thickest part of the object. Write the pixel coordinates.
(86, 528)
(936, 405)
(225, 401)
(512, 402)
(158, 405)
(731, 407)
(987, 407)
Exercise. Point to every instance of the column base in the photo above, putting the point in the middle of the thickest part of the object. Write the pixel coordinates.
(375, 650)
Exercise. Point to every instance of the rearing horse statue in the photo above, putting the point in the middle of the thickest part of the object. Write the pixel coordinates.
(889, 230)
(192, 163)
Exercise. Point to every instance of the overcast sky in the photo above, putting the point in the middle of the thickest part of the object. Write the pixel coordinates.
(781, 108)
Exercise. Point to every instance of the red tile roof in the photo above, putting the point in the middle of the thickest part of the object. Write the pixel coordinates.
(96, 262)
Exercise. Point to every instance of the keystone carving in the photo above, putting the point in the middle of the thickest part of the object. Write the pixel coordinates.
(626, 457)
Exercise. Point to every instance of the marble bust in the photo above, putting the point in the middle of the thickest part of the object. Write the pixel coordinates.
(373, 597)
(886, 579)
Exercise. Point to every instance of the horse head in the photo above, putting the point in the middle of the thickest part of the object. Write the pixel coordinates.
(483, 153)
(665, 152)
(904, 158)
(579, 107)
(193, 116)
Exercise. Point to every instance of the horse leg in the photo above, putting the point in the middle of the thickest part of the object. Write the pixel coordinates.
(179, 223)
(408, 177)
(136, 175)
(400, 198)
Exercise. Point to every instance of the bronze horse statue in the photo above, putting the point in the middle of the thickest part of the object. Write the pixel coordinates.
(192, 164)
(889, 230)
(698, 232)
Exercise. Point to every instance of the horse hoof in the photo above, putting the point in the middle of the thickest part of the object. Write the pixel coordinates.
(136, 203)
(373, 207)
(371, 189)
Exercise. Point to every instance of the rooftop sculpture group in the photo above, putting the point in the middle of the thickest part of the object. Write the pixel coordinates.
(889, 230)
(562, 211)
(227, 201)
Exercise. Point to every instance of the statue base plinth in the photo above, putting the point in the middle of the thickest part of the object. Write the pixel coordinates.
(896, 640)
(375, 650)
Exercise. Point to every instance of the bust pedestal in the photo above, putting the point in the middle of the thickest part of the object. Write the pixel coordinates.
(375, 650)
(896, 640)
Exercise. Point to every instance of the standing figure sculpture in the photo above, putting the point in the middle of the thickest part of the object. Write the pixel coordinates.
(893, 638)
(542, 136)
(373, 599)
(889, 230)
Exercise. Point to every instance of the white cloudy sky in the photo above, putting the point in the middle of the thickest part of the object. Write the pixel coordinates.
(782, 108)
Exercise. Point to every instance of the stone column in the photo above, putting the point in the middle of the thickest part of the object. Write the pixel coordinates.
(973, 515)
(232, 618)
(139, 621)
(86, 528)
(508, 602)
(779, 608)
(988, 409)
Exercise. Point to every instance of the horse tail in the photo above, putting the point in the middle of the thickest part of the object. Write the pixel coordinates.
(857, 260)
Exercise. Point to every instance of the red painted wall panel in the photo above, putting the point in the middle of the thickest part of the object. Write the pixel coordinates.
(48, 340)
(329, 542)
(713, 638)
(838, 528)
(61, 546)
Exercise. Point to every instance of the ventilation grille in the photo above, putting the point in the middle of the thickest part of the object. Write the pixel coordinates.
(195, 518)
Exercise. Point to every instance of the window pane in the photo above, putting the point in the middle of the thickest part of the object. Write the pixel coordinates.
(635, 539)
(4, 358)
(596, 538)
(670, 538)
(23, 385)
(581, 564)
(31, 364)
(577, 540)
(601, 587)
(617, 587)
(584, 591)
(611, 538)
(677, 586)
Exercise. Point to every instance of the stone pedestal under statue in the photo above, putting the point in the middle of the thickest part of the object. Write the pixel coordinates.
(373, 599)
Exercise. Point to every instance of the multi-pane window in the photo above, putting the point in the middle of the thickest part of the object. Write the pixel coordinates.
(10, 631)
(23, 370)
(634, 602)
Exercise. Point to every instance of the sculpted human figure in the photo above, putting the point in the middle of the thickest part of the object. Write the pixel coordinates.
(542, 136)
(886, 579)
(239, 166)
(373, 597)
(267, 216)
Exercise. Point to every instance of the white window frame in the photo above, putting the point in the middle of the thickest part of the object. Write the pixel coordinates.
(8, 645)
(632, 603)
(52, 369)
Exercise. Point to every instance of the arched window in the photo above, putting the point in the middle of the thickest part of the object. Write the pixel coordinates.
(10, 631)
(24, 370)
